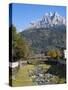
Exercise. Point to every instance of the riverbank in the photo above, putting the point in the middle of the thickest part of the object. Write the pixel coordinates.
(28, 75)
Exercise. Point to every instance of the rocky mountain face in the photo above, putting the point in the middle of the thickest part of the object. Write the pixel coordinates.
(49, 20)
(47, 33)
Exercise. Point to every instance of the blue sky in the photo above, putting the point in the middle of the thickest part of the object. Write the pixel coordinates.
(23, 14)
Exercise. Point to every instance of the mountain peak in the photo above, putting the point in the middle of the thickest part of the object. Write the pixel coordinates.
(50, 19)
(56, 14)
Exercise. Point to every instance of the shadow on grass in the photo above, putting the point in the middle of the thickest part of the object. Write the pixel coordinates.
(57, 69)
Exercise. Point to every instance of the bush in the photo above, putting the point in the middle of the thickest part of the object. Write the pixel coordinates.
(55, 53)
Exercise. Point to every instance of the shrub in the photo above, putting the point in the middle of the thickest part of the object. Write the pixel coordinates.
(55, 53)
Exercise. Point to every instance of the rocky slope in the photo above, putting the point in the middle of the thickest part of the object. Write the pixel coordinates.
(47, 33)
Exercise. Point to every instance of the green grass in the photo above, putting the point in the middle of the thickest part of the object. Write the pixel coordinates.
(22, 78)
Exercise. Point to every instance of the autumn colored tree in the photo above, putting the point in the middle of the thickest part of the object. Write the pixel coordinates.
(55, 53)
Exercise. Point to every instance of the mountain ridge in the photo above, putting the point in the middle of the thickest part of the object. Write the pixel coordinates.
(45, 36)
(49, 20)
